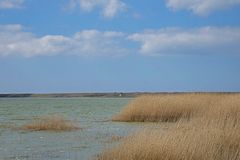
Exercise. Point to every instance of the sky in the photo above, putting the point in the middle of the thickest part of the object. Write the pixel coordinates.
(54, 46)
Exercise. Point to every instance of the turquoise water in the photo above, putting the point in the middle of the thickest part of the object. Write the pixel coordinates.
(90, 114)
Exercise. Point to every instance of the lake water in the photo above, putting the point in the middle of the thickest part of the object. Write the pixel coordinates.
(92, 115)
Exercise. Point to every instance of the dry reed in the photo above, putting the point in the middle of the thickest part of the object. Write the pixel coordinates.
(49, 123)
(212, 131)
(170, 107)
(182, 142)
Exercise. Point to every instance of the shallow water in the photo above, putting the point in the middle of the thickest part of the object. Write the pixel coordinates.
(90, 114)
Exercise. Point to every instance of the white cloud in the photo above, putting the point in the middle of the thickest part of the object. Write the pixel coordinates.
(109, 8)
(11, 4)
(202, 7)
(14, 41)
(11, 27)
(207, 40)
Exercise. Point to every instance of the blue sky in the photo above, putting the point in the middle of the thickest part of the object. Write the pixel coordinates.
(119, 45)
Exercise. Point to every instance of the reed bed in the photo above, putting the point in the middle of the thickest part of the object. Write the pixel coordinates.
(207, 128)
(50, 123)
(172, 107)
(182, 142)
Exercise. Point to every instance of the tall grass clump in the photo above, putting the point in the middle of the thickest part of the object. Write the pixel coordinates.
(226, 110)
(211, 132)
(49, 123)
(181, 142)
(167, 108)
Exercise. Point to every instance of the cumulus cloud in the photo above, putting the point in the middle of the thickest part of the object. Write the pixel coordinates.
(11, 4)
(202, 7)
(206, 40)
(15, 41)
(109, 8)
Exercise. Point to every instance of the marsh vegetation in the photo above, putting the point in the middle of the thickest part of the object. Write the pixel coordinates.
(206, 126)
(50, 123)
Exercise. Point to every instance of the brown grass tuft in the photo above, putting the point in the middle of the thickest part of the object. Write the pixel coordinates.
(50, 123)
(181, 142)
(211, 132)
(172, 107)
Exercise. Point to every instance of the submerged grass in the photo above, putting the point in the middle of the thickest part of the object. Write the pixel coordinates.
(211, 131)
(50, 123)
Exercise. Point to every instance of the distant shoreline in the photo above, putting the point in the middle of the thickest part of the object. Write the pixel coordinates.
(109, 94)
